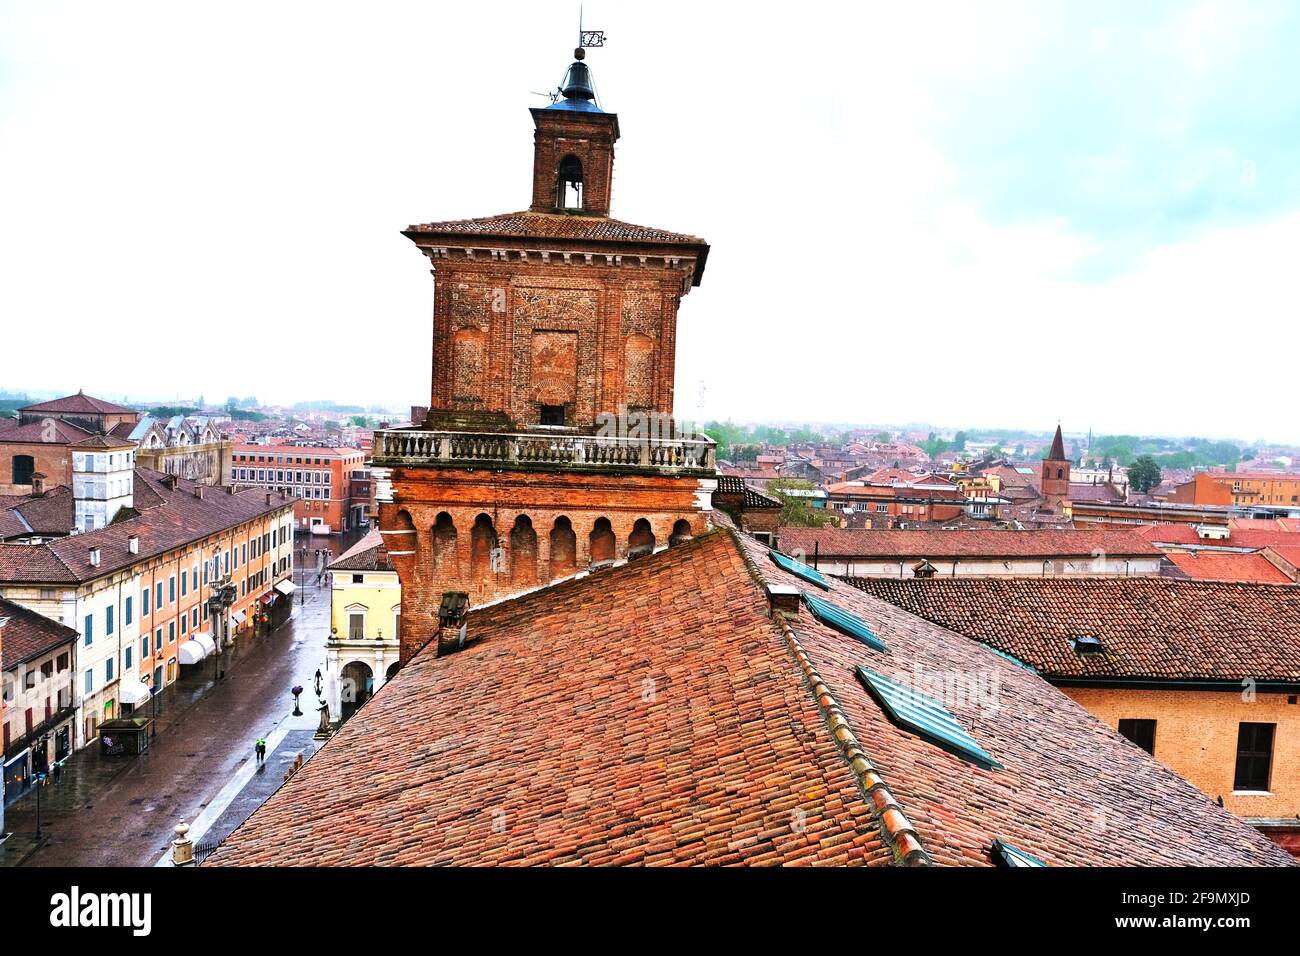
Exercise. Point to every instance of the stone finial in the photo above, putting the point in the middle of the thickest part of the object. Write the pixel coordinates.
(182, 846)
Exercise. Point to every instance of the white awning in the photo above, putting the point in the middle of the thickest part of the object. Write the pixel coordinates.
(191, 652)
(286, 587)
(134, 692)
(239, 617)
(197, 648)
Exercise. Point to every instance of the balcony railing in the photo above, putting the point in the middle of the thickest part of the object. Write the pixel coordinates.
(453, 448)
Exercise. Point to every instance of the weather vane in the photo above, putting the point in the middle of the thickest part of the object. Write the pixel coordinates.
(588, 38)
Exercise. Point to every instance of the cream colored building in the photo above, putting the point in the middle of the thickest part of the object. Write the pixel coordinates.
(136, 591)
(365, 626)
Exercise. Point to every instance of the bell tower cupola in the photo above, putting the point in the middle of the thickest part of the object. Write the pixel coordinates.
(573, 157)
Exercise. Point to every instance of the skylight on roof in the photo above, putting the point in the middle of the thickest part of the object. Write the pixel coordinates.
(927, 717)
(1087, 644)
(1004, 854)
(843, 621)
(810, 574)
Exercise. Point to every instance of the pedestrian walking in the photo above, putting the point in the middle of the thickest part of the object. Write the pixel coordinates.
(260, 749)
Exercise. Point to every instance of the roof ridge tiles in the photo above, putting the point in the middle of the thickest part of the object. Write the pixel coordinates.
(897, 829)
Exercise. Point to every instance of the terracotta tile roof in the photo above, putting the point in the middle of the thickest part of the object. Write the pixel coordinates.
(865, 543)
(1151, 628)
(1100, 491)
(26, 635)
(364, 555)
(53, 513)
(180, 518)
(851, 489)
(552, 226)
(104, 441)
(735, 485)
(1179, 533)
(79, 404)
(656, 713)
(1228, 566)
(56, 432)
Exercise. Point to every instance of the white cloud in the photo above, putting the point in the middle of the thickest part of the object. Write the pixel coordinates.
(208, 200)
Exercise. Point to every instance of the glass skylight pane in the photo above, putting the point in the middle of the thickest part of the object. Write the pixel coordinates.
(927, 717)
(843, 621)
(809, 574)
(1008, 855)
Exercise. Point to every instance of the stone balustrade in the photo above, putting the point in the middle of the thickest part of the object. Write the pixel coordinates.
(400, 447)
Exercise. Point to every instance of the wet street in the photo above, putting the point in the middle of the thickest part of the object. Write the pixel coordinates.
(200, 768)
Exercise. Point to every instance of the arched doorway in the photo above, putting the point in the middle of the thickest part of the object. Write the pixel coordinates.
(393, 668)
(564, 548)
(356, 687)
(601, 541)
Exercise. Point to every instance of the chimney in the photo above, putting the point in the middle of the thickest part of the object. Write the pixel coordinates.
(169, 482)
(38, 485)
(230, 489)
(94, 557)
(133, 544)
(784, 598)
(198, 492)
(268, 499)
(452, 626)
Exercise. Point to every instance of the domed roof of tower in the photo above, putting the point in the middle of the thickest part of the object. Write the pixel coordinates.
(577, 90)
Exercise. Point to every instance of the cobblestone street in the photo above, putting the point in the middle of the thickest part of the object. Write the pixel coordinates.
(121, 811)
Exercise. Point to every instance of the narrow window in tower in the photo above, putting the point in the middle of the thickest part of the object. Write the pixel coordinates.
(569, 191)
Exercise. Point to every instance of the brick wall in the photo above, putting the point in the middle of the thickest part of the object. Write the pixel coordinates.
(511, 337)
(50, 459)
(1196, 736)
(523, 519)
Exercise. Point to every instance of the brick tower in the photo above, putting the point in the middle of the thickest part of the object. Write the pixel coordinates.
(1055, 483)
(549, 447)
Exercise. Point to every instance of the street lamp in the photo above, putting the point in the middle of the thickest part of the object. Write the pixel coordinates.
(40, 781)
(153, 698)
(219, 604)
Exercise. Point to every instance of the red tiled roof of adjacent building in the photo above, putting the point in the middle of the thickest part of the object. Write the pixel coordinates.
(179, 519)
(1151, 628)
(54, 431)
(658, 713)
(853, 489)
(864, 543)
(1228, 566)
(27, 635)
(1102, 491)
(735, 485)
(364, 555)
(53, 513)
(79, 404)
(1177, 533)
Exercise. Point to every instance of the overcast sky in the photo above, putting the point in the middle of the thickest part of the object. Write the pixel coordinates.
(968, 214)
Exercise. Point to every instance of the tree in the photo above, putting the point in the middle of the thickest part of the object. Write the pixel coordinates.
(797, 511)
(884, 437)
(1144, 474)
